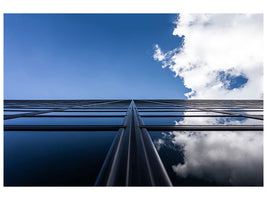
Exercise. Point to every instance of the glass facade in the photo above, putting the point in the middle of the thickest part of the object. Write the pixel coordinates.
(133, 143)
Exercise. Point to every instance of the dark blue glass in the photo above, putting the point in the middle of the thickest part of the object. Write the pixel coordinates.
(84, 113)
(97, 110)
(22, 109)
(161, 120)
(40, 158)
(64, 121)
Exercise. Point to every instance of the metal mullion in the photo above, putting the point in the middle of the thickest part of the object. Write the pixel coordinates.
(110, 161)
(134, 160)
(155, 168)
(115, 168)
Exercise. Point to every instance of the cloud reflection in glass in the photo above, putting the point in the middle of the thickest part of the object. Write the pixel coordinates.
(215, 157)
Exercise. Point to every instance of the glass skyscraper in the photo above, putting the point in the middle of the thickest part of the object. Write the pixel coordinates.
(133, 142)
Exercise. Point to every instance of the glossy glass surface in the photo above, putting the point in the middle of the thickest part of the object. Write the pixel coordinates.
(222, 158)
(166, 110)
(249, 112)
(54, 158)
(13, 113)
(7, 109)
(100, 107)
(201, 121)
(84, 113)
(179, 113)
(254, 113)
(65, 121)
(161, 120)
(98, 110)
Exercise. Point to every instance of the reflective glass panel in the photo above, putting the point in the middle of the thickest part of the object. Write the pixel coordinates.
(167, 110)
(13, 113)
(222, 158)
(64, 121)
(40, 158)
(84, 113)
(98, 110)
(28, 109)
(179, 113)
(201, 121)
(254, 113)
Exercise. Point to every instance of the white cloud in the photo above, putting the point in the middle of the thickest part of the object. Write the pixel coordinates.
(218, 121)
(214, 44)
(218, 48)
(158, 55)
(224, 157)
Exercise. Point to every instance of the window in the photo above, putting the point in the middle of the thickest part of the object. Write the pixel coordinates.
(133, 143)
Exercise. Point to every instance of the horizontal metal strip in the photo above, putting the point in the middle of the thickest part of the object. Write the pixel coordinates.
(222, 115)
(76, 116)
(169, 110)
(204, 127)
(25, 110)
(65, 106)
(62, 127)
(237, 110)
(226, 108)
(235, 114)
(36, 108)
(153, 107)
(125, 110)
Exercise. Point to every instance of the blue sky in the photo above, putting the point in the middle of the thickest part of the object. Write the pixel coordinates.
(85, 56)
(221, 56)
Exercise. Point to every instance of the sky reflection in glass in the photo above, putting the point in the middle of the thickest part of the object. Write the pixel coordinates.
(85, 113)
(201, 121)
(179, 113)
(212, 158)
(13, 113)
(64, 121)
